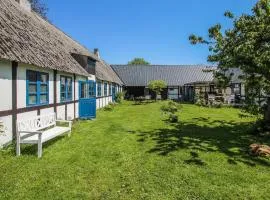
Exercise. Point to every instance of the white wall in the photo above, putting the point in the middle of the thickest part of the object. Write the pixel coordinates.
(105, 100)
(5, 85)
(6, 138)
(6, 99)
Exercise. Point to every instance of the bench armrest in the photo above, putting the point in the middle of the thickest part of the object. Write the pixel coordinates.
(65, 121)
(29, 134)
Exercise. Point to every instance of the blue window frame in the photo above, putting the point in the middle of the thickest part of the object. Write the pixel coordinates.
(99, 89)
(65, 88)
(110, 89)
(105, 89)
(37, 88)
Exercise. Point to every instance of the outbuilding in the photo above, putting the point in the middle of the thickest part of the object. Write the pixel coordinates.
(183, 81)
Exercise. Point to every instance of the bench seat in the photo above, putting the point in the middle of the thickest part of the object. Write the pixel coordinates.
(46, 135)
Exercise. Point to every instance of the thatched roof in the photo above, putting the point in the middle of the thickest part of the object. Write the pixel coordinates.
(105, 72)
(27, 38)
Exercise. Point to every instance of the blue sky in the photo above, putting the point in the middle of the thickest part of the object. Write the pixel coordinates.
(156, 30)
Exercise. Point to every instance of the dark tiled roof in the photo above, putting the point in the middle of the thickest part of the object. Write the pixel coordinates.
(25, 37)
(105, 72)
(174, 75)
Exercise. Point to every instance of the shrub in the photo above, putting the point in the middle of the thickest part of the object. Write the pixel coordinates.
(200, 100)
(173, 118)
(109, 107)
(212, 103)
(217, 104)
(170, 108)
(119, 97)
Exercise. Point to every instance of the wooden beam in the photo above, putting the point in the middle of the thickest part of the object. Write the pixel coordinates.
(74, 95)
(14, 97)
(55, 91)
(65, 111)
(34, 108)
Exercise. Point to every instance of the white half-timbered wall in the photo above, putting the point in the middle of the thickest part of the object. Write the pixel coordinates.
(6, 99)
(63, 110)
(104, 100)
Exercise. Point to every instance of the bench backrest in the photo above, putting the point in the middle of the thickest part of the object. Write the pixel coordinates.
(37, 123)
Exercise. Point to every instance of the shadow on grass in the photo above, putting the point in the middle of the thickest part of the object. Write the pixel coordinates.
(203, 135)
(195, 160)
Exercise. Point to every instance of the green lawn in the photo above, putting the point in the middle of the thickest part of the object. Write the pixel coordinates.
(133, 153)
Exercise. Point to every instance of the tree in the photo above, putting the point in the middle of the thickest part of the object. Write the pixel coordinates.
(40, 8)
(157, 86)
(138, 61)
(222, 80)
(246, 46)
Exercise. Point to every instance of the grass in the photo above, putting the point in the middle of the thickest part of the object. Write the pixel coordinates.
(133, 153)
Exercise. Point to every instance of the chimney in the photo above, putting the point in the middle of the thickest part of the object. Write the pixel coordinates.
(96, 52)
(25, 4)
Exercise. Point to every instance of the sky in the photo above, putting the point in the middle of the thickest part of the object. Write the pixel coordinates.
(156, 30)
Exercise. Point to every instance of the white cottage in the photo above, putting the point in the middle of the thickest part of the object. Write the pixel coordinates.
(43, 70)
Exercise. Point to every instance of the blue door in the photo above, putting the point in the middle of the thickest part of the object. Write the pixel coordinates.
(113, 92)
(87, 99)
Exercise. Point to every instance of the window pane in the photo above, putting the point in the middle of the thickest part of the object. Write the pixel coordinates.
(99, 89)
(63, 84)
(43, 88)
(82, 93)
(32, 99)
(43, 98)
(105, 89)
(84, 90)
(69, 95)
(63, 80)
(43, 78)
(62, 88)
(63, 97)
(69, 85)
(110, 89)
(32, 88)
(91, 63)
(69, 81)
(32, 76)
(91, 89)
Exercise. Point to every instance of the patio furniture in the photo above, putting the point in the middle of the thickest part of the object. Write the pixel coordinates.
(38, 130)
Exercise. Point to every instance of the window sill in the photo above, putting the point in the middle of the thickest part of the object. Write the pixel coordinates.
(36, 105)
(66, 101)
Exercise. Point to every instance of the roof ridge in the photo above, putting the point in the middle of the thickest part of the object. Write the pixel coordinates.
(164, 65)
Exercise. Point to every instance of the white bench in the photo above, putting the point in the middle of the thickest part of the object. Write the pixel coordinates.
(38, 130)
